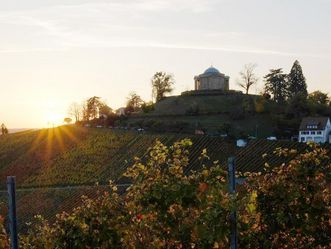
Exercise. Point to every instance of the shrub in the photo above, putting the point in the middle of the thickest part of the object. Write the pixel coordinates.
(289, 206)
(169, 209)
(4, 243)
(164, 208)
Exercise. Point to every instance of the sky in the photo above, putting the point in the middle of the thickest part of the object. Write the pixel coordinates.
(55, 52)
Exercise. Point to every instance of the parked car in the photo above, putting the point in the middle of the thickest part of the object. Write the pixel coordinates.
(271, 138)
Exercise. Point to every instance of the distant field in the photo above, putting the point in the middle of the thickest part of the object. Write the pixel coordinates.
(11, 131)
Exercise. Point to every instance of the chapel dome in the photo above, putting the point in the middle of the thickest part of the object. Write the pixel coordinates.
(211, 70)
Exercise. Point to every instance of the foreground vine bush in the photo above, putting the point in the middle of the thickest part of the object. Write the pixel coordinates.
(289, 206)
(3, 235)
(164, 208)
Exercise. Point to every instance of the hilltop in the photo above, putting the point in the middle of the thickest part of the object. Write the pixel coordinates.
(245, 114)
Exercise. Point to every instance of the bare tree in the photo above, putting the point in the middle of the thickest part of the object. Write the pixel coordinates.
(247, 77)
(75, 111)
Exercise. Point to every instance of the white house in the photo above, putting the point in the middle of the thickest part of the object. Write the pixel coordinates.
(315, 129)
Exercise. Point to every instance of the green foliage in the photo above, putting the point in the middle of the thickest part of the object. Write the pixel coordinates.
(276, 85)
(319, 103)
(285, 207)
(297, 106)
(164, 208)
(161, 85)
(172, 209)
(147, 107)
(297, 81)
(289, 206)
(134, 103)
(319, 97)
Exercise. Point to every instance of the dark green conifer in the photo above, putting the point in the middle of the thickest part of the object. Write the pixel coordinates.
(297, 81)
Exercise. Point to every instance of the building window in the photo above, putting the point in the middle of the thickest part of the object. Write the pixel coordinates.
(302, 139)
(312, 132)
(319, 140)
(311, 126)
(305, 133)
(319, 133)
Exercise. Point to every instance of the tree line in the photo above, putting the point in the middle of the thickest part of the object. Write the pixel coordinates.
(287, 92)
(95, 109)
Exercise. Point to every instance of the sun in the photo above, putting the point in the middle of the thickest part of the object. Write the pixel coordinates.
(53, 119)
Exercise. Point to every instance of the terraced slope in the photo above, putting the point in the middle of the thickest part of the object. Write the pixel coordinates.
(80, 156)
(55, 167)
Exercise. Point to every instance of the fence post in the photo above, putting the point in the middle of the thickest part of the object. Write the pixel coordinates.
(232, 190)
(11, 186)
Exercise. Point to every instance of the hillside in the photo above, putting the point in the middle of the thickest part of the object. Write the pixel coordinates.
(54, 167)
(248, 114)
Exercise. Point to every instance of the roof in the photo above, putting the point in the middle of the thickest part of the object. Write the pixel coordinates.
(211, 70)
(313, 123)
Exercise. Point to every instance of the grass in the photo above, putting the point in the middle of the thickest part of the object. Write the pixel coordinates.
(211, 111)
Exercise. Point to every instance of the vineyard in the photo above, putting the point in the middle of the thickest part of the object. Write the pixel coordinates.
(54, 167)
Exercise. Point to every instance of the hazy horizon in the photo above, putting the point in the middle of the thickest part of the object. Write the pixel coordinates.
(60, 51)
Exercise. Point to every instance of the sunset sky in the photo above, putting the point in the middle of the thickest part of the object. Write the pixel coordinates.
(54, 52)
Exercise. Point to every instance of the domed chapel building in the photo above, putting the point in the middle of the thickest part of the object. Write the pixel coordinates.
(211, 79)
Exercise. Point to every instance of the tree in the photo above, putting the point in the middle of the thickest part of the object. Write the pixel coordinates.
(147, 107)
(297, 81)
(298, 106)
(104, 109)
(319, 97)
(93, 105)
(276, 85)
(85, 114)
(247, 77)
(75, 111)
(4, 129)
(161, 85)
(134, 102)
(67, 120)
